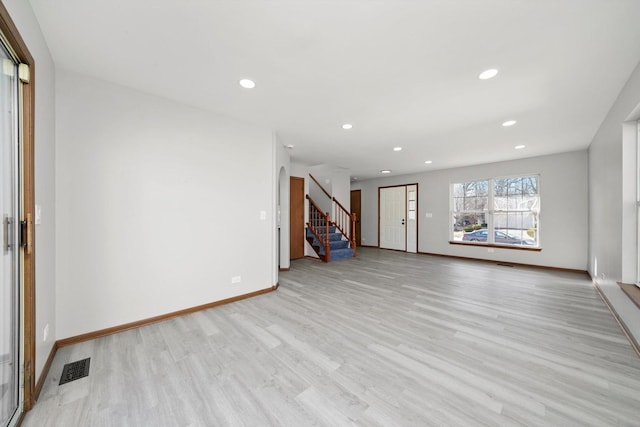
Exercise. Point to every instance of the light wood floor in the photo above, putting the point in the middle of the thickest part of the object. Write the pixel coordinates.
(385, 339)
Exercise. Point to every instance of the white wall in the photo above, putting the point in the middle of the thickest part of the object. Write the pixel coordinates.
(612, 212)
(341, 188)
(27, 25)
(563, 218)
(322, 174)
(335, 180)
(283, 171)
(158, 206)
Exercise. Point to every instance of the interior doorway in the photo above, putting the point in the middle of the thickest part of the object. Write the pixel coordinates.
(398, 217)
(356, 208)
(296, 217)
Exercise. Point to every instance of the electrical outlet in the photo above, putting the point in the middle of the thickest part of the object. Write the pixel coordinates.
(236, 279)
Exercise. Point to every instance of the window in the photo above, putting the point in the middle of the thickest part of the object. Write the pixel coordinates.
(502, 211)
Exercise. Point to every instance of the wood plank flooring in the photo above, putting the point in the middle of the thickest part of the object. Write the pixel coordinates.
(384, 339)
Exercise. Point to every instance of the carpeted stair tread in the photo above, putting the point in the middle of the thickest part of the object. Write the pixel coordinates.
(339, 248)
(340, 254)
(335, 246)
(322, 230)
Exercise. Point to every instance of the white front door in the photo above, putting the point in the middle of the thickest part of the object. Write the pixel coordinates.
(393, 218)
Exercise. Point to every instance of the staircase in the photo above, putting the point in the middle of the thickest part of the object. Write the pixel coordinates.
(338, 244)
(331, 240)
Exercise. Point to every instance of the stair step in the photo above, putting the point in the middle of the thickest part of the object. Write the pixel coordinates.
(332, 236)
(340, 254)
(339, 248)
(341, 244)
(338, 244)
(322, 229)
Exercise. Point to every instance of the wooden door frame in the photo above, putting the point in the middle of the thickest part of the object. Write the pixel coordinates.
(292, 178)
(405, 212)
(12, 36)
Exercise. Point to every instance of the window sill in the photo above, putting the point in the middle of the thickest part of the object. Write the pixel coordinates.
(493, 245)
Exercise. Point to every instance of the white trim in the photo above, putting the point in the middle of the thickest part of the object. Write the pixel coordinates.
(637, 172)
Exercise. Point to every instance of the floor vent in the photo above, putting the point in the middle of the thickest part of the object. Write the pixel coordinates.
(75, 370)
(504, 265)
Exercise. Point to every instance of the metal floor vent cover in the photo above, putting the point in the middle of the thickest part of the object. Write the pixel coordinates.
(75, 370)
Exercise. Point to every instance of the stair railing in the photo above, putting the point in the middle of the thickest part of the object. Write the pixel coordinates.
(317, 221)
(345, 222)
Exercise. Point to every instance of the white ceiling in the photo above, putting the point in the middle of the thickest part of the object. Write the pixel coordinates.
(403, 72)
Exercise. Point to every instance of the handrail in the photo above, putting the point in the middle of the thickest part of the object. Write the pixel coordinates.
(320, 185)
(317, 219)
(345, 222)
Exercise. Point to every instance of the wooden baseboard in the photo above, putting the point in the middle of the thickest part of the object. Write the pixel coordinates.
(632, 291)
(367, 246)
(125, 327)
(284, 269)
(623, 326)
(515, 264)
(45, 371)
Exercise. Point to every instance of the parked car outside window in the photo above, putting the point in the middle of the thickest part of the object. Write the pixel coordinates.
(500, 237)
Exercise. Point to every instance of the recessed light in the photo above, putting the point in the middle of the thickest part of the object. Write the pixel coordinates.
(488, 74)
(519, 147)
(428, 162)
(247, 84)
(289, 146)
(385, 171)
(397, 148)
(509, 123)
(347, 126)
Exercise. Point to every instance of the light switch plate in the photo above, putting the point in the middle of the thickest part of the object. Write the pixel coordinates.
(38, 215)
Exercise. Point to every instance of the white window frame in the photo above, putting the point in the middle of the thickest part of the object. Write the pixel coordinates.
(491, 211)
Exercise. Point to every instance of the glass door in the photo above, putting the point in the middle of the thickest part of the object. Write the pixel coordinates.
(9, 263)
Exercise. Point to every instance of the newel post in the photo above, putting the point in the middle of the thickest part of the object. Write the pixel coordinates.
(326, 236)
(353, 233)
